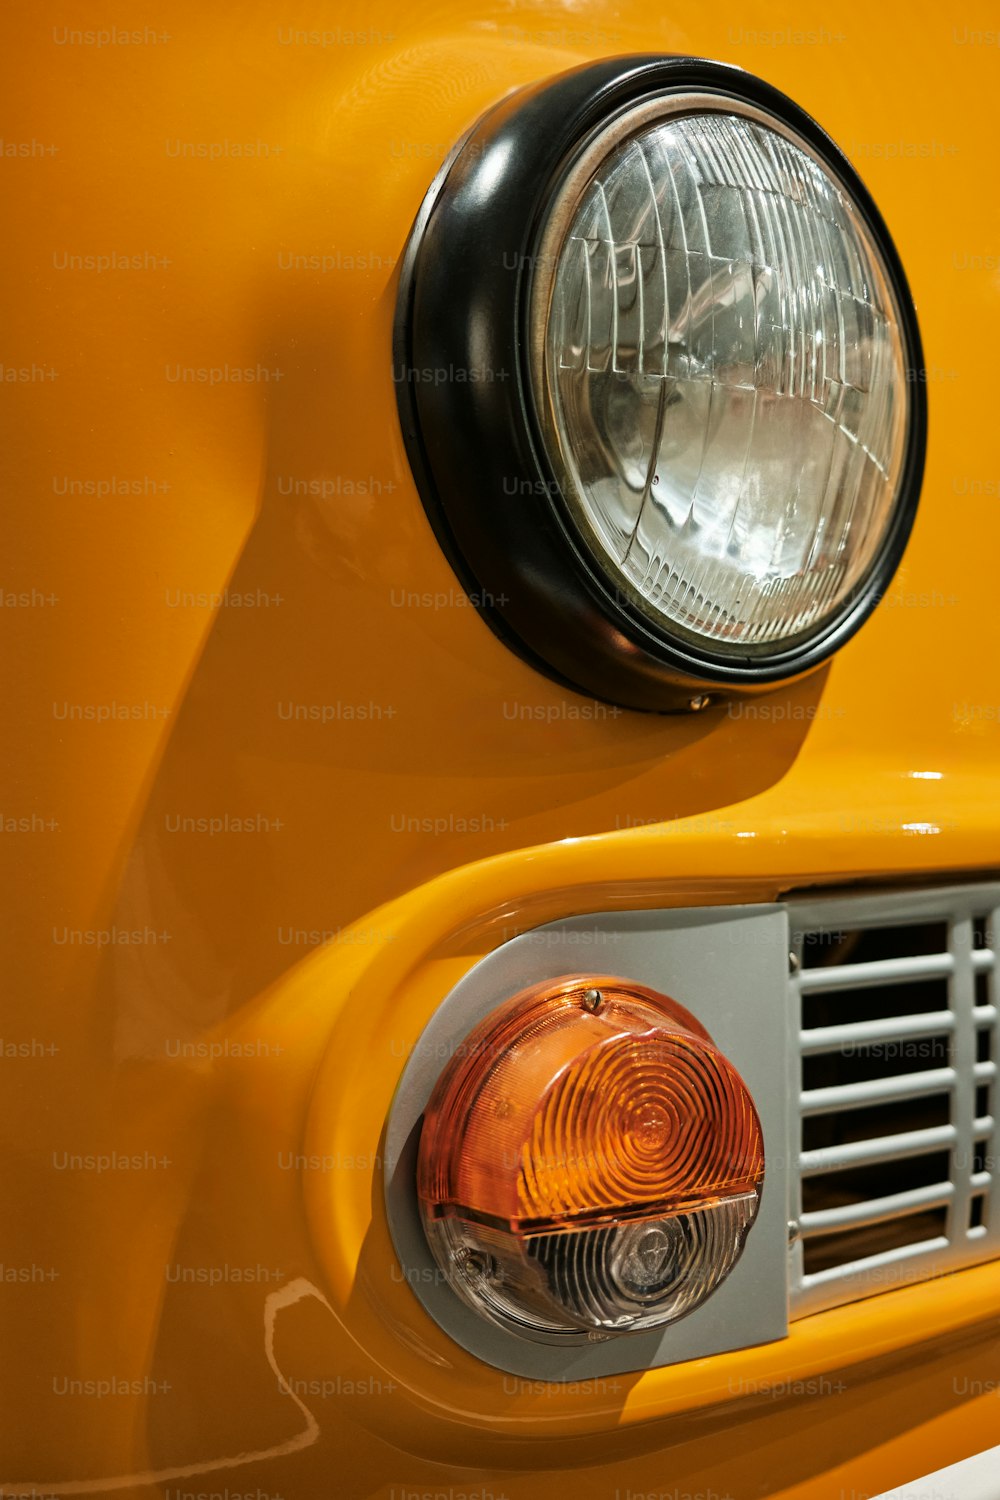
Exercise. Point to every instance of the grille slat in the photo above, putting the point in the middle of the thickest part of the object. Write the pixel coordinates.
(820, 1039)
(875, 1210)
(874, 1268)
(884, 1148)
(877, 1091)
(895, 1005)
(864, 976)
(889, 971)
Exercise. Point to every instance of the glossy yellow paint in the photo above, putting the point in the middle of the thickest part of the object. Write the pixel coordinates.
(264, 179)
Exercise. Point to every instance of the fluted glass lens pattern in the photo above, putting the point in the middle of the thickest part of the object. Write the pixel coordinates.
(725, 383)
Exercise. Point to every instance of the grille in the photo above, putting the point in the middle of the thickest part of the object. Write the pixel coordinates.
(894, 998)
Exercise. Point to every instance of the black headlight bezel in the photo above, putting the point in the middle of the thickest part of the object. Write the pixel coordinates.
(461, 370)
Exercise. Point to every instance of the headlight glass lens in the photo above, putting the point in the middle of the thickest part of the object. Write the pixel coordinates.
(720, 377)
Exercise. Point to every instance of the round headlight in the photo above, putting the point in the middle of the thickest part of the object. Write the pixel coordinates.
(661, 382)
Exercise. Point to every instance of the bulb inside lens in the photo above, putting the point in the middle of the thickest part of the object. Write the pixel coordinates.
(722, 378)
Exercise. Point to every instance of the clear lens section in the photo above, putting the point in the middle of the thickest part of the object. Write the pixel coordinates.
(617, 1278)
(588, 1167)
(725, 380)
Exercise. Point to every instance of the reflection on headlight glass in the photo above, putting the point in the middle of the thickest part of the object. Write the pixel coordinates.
(726, 394)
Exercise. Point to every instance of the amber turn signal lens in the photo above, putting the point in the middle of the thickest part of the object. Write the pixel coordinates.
(588, 1160)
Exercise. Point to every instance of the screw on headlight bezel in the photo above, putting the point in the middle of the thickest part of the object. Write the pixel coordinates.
(463, 357)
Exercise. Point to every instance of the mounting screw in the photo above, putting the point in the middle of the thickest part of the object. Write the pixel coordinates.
(696, 704)
(793, 963)
(592, 1000)
(793, 1231)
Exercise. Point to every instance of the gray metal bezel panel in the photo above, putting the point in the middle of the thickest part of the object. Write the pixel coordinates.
(728, 965)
